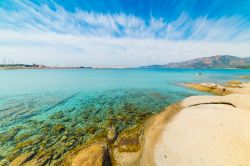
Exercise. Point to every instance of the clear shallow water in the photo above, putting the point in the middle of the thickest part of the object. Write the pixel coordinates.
(39, 107)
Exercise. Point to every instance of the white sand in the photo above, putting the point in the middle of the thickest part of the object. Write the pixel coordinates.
(207, 134)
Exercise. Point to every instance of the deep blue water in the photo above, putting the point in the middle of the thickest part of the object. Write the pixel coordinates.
(32, 102)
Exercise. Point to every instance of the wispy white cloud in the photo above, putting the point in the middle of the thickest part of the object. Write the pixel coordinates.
(32, 33)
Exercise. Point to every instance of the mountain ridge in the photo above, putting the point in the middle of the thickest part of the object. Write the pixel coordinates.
(217, 61)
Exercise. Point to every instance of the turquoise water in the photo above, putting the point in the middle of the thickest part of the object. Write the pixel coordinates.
(39, 107)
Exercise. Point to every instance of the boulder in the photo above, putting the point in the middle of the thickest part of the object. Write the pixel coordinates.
(111, 134)
(93, 155)
(20, 160)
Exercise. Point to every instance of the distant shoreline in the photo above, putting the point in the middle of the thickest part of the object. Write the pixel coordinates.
(27, 68)
(65, 68)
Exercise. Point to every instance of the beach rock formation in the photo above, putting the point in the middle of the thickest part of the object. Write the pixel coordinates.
(111, 134)
(229, 87)
(95, 154)
(202, 130)
(20, 160)
(92, 155)
(126, 150)
(244, 76)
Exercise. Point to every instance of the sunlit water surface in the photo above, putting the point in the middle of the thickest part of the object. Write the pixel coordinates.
(39, 107)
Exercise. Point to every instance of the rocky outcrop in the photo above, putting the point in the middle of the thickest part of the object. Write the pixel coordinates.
(94, 155)
(20, 160)
(200, 130)
(111, 134)
(200, 123)
(126, 149)
(229, 87)
(206, 130)
(244, 76)
(209, 87)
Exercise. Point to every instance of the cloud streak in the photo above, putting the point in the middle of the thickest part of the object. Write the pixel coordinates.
(31, 33)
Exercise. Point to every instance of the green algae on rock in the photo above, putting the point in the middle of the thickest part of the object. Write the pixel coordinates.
(10, 135)
(20, 160)
(22, 137)
(58, 128)
(80, 125)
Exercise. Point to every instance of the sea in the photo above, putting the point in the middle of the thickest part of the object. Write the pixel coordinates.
(43, 109)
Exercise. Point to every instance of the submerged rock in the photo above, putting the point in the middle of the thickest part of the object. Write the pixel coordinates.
(57, 115)
(129, 140)
(64, 138)
(95, 154)
(20, 160)
(58, 128)
(70, 143)
(9, 135)
(233, 84)
(91, 129)
(80, 131)
(4, 162)
(24, 144)
(22, 137)
(244, 76)
(39, 161)
(111, 134)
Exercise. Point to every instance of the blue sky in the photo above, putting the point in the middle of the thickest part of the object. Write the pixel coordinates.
(121, 33)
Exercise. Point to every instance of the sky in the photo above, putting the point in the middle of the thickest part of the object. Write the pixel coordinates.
(121, 33)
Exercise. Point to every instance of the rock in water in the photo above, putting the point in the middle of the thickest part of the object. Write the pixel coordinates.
(111, 134)
(93, 155)
(20, 160)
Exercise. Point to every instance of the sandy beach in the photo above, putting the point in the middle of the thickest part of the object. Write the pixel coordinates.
(207, 130)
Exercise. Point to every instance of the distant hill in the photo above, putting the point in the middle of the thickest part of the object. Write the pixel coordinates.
(218, 61)
(35, 66)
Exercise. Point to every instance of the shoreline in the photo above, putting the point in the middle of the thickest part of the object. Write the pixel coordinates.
(89, 67)
(184, 138)
(150, 142)
(167, 137)
(153, 139)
